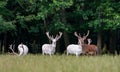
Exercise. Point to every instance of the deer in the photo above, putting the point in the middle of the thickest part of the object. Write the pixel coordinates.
(22, 48)
(89, 41)
(50, 48)
(75, 49)
(88, 49)
(94, 46)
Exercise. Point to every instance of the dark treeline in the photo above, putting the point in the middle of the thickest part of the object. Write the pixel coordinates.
(27, 21)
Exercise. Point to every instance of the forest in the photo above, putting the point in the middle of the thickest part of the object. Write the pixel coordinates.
(27, 21)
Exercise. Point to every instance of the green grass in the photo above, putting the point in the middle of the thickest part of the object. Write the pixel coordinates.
(59, 63)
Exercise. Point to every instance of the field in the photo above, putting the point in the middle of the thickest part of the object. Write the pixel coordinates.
(59, 63)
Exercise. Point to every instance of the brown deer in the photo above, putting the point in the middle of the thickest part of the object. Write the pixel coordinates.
(88, 49)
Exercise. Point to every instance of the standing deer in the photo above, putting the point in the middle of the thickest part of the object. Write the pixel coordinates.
(23, 49)
(74, 49)
(94, 52)
(88, 49)
(50, 48)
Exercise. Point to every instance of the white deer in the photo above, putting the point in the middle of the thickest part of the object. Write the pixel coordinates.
(74, 48)
(50, 48)
(23, 49)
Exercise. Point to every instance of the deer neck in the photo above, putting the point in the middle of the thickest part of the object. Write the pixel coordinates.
(53, 44)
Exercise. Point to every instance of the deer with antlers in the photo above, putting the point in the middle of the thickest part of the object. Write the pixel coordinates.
(50, 48)
(88, 49)
(23, 49)
(75, 49)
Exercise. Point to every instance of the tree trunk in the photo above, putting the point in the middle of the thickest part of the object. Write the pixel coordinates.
(63, 20)
(99, 42)
(0, 46)
(45, 25)
(46, 28)
(112, 44)
(4, 49)
(66, 39)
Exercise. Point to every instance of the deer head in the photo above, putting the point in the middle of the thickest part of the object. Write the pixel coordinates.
(80, 38)
(89, 41)
(54, 40)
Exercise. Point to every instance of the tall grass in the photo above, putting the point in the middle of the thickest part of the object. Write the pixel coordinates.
(59, 63)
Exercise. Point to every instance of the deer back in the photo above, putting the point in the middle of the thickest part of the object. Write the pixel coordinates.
(89, 49)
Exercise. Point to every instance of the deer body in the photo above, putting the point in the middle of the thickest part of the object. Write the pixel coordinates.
(88, 49)
(74, 49)
(23, 49)
(50, 48)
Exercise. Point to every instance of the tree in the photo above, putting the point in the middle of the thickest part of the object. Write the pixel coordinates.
(53, 16)
(5, 25)
(28, 20)
(104, 17)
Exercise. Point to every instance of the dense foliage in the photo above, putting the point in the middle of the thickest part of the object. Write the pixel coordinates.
(27, 21)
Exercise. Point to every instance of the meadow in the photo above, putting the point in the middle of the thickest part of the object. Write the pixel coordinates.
(59, 63)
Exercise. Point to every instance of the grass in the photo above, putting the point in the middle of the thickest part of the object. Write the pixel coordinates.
(59, 63)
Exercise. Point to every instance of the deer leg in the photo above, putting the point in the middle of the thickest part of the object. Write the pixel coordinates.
(43, 53)
(50, 55)
(67, 53)
(77, 54)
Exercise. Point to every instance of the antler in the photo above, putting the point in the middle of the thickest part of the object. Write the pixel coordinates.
(87, 34)
(50, 37)
(58, 36)
(79, 36)
(84, 37)
(10, 47)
